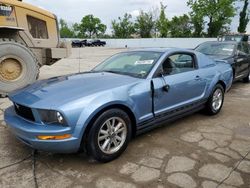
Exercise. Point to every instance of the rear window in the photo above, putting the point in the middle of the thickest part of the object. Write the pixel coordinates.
(37, 28)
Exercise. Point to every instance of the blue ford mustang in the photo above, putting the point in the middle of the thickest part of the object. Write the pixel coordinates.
(127, 94)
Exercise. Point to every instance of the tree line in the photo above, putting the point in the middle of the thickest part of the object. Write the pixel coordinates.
(207, 18)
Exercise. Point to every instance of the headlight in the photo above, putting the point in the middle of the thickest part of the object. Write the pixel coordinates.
(51, 117)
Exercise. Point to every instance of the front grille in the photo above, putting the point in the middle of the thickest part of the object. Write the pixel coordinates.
(24, 112)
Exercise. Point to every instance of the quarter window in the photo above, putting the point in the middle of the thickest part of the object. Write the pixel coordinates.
(37, 28)
(178, 63)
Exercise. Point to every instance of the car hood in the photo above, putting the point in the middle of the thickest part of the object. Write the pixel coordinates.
(61, 90)
(219, 58)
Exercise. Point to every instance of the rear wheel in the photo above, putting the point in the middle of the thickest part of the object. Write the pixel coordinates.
(215, 101)
(18, 66)
(109, 135)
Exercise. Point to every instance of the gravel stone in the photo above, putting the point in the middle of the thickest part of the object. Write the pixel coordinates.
(151, 162)
(179, 164)
(145, 174)
(208, 144)
(192, 136)
(241, 146)
(244, 166)
(182, 180)
(214, 171)
(220, 157)
(129, 168)
(228, 152)
(110, 183)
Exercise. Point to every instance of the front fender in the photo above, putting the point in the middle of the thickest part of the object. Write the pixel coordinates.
(97, 104)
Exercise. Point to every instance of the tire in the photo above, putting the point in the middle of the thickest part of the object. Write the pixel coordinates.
(21, 61)
(101, 145)
(246, 79)
(211, 107)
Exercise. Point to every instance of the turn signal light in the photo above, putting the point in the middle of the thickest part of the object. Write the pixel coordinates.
(56, 137)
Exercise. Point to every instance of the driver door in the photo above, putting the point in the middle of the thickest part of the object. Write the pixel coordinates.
(180, 84)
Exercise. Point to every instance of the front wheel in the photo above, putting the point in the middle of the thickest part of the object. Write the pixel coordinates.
(215, 101)
(246, 79)
(109, 135)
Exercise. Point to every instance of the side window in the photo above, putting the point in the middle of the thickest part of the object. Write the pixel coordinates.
(178, 63)
(37, 28)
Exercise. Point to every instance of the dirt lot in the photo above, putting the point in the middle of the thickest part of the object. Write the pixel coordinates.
(196, 151)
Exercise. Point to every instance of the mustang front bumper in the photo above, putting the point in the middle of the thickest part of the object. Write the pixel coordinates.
(27, 132)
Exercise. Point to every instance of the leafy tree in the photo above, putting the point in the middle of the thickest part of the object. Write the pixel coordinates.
(198, 23)
(162, 24)
(144, 24)
(76, 30)
(180, 26)
(244, 19)
(123, 28)
(65, 30)
(219, 14)
(91, 26)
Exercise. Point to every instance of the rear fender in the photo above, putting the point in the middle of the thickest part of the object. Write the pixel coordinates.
(225, 76)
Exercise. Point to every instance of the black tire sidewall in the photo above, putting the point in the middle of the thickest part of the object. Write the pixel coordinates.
(210, 108)
(14, 49)
(92, 139)
(246, 79)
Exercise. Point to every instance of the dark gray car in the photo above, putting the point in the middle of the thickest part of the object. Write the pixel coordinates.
(235, 53)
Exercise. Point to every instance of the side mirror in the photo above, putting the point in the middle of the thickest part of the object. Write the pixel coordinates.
(160, 73)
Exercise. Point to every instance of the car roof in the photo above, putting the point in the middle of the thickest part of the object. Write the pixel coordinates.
(161, 50)
(221, 42)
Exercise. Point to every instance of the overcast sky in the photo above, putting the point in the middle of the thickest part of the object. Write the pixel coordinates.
(107, 10)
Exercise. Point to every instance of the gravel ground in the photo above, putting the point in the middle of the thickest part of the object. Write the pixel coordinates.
(196, 151)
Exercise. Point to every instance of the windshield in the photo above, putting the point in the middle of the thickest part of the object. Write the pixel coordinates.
(216, 49)
(237, 38)
(137, 64)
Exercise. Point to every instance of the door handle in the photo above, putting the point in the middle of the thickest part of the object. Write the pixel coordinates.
(166, 88)
(197, 78)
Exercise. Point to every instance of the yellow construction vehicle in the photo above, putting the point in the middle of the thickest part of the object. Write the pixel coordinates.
(29, 39)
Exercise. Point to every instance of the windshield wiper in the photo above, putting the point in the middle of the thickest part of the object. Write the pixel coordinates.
(115, 72)
(124, 73)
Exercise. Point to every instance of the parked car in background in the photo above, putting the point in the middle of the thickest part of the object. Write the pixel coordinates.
(237, 54)
(126, 95)
(97, 43)
(79, 43)
(88, 43)
(238, 37)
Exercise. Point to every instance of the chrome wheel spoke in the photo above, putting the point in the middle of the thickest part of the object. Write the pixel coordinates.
(120, 130)
(113, 123)
(109, 126)
(115, 142)
(118, 138)
(102, 137)
(105, 144)
(104, 132)
(118, 126)
(109, 145)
